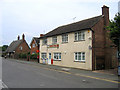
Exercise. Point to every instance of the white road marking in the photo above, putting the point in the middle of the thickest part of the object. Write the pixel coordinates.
(3, 85)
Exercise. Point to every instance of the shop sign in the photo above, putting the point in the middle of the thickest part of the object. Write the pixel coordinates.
(53, 46)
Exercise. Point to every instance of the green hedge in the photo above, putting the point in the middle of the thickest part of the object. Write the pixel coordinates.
(33, 56)
(22, 55)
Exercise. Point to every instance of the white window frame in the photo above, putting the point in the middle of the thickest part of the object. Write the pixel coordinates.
(21, 48)
(64, 38)
(79, 56)
(79, 36)
(44, 41)
(54, 40)
(44, 56)
(33, 45)
(58, 56)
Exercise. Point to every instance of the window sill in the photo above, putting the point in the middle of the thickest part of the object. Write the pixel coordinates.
(56, 60)
(64, 42)
(80, 61)
(79, 40)
(44, 45)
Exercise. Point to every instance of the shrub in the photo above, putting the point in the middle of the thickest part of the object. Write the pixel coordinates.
(33, 56)
(22, 55)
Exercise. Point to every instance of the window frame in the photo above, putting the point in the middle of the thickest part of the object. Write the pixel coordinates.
(65, 38)
(33, 45)
(54, 40)
(58, 55)
(44, 41)
(21, 48)
(79, 36)
(45, 56)
(79, 56)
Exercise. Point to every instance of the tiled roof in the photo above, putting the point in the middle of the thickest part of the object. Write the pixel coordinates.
(77, 26)
(14, 45)
(37, 40)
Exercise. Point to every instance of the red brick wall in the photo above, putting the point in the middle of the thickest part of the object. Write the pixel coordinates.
(33, 49)
(98, 44)
(103, 53)
(25, 48)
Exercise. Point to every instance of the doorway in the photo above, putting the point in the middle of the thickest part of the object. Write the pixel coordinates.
(49, 60)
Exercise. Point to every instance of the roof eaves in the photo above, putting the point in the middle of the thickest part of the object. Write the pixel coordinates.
(65, 33)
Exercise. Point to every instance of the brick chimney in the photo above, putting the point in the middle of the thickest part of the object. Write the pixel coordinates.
(23, 37)
(41, 35)
(105, 13)
(18, 37)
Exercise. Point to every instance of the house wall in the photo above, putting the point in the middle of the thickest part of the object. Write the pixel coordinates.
(33, 49)
(98, 45)
(67, 51)
(104, 56)
(25, 48)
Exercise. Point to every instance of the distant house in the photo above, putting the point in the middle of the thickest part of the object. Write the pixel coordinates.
(17, 47)
(83, 44)
(34, 45)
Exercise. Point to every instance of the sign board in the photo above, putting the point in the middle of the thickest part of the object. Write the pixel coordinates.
(53, 46)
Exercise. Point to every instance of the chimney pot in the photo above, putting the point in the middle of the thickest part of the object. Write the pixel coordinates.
(18, 37)
(23, 37)
(41, 35)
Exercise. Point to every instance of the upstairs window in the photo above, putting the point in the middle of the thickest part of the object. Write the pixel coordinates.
(54, 40)
(79, 36)
(21, 47)
(44, 41)
(33, 45)
(65, 38)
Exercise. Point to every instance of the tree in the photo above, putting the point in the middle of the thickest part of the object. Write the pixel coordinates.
(114, 29)
(4, 47)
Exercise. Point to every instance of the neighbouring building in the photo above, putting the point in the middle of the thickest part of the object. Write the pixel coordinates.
(84, 44)
(34, 45)
(17, 47)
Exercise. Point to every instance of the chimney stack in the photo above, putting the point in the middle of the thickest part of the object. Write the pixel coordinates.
(18, 37)
(105, 13)
(41, 35)
(23, 37)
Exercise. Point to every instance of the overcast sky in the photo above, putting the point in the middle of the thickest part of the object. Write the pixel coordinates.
(33, 17)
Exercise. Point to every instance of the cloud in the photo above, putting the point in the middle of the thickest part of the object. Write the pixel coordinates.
(58, 1)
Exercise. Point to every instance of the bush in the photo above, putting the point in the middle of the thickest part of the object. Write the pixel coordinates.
(33, 56)
(22, 55)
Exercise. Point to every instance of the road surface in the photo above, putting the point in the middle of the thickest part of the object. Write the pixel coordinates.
(25, 75)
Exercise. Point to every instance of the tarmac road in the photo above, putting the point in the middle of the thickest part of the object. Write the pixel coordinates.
(25, 75)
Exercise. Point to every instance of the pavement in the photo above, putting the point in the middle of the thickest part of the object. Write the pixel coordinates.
(106, 75)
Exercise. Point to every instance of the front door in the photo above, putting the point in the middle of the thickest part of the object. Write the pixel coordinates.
(49, 60)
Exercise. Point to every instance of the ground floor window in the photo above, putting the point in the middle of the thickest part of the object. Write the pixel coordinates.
(43, 56)
(57, 56)
(79, 56)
